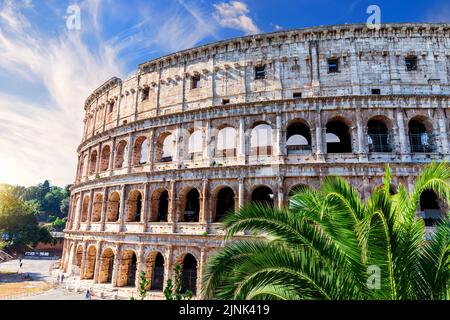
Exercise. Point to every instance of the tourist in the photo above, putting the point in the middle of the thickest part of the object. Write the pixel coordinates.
(88, 295)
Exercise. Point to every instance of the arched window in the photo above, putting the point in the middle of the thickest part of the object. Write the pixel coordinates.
(419, 137)
(85, 209)
(158, 273)
(140, 152)
(120, 155)
(192, 206)
(378, 137)
(195, 148)
(113, 207)
(79, 256)
(107, 266)
(97, 208)
(263, 195)
(226, 143)
(430, 208)
(90, 263)
(189, 279)
(163, 206)
(165, 148)
(298, 138)
(338, 137)
(93, 162)
(224, 203)
(261, 140)
(134, 206)
(104, 162)
(128, 269)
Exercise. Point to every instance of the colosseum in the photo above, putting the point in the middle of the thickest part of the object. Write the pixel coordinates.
(192, 135)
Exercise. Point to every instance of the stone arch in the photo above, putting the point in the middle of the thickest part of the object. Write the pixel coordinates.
(224, 201)
(160, 205)
(378, 134)
(78, 260)
(165, 147)
(420, 131)
(338, 136)
(112, 214)
(226, 145)
(104, 160)
(432, 208)
(189, 273)
(85, 209)
(134, 206)
(128, 269)
(195, 144)
(140, 151)
(263, 194)
(89, 268)
(119, 158)
(106, 266)
(97, 207)
(190, 205)
(261, 139)
(93, 162)
(155, 271)
(298, 137)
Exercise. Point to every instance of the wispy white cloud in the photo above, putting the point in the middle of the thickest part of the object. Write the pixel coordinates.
(234, 15)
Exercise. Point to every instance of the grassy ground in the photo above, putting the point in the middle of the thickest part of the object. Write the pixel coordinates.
(13, 285)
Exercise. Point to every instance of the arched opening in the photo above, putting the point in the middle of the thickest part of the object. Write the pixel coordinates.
(113, 207)
(263, 195)
(79, 257)
(195, 148)
(97, 208)
(338, 137)
(140, 152)
(157, 283)
(261, 140)
(430, 208)
(104, 162)
(128, 269)
(134, 206)
(226, 143)
(165, 147)
(85, 209)
(419, 137)
(93, 162)
(89, 268)
(163, 206)
(120, 155)
(192, 206)
(106, 266)
(82, 167)
(189, 279)
(224, 203)
(378, 137)
(298, 139)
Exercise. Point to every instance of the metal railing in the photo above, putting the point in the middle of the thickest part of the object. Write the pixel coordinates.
(380, 143)
(417, 146)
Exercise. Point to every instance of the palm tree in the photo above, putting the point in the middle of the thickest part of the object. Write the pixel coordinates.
(331, 244)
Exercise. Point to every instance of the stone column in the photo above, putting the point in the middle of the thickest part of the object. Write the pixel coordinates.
(122, 212)
(360, 136)
(78, 211)
(151, 147)
(402, 134)
(280, 195)
(443, 134)
(178, 142)
(319, 134)
(104, 208)
(83, 261)
(204, 202)
(145, 207)
(97, 261)
(200, 271)
(130, 152)
(116, 268)
(89, 217)
(241, 150)
(99, 156)
(140, 264)
(168, 263)
(111, 156)
(208, 147)
(241, 199)
(278, 143)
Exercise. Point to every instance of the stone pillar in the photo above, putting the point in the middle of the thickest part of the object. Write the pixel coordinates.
(122, 212)
(140, 264)
(208, 145)
(89, 217)
(280, 196)
(111, 157)
(315, 76)
(360, 136)
(130, 152)
(78, 211)
(241, 149)
(116, 268)
(204, 202)
(168, 263)
(104, 208)
(241, 199)
(319, 135)
(201, 271)
(98, 263)
(402, 133)
(443, 134)
(178, 142)
(99, 157)
(83, 261)
(151, 147)
(145, 206)
(278, 143)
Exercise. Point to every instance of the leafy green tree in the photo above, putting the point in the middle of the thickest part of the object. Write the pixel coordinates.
(18, 223)
(143, 285)
(173, 290)
(331, 244)
(58, 224)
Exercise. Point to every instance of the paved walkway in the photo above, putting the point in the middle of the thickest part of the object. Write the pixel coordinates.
(40, 270)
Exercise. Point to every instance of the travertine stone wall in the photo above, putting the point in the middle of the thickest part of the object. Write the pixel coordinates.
(127, 122)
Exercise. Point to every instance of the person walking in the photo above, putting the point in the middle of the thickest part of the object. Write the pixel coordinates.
(88, 295)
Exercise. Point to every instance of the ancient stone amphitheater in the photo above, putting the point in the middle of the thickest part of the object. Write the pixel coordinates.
(194, 134)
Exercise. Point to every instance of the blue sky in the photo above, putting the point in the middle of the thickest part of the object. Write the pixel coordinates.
(47, 71)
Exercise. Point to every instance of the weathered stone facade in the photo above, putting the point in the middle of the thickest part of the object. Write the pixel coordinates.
(191, 134)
